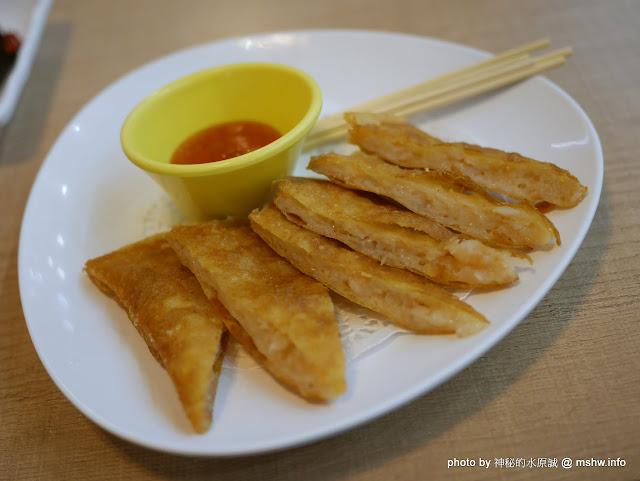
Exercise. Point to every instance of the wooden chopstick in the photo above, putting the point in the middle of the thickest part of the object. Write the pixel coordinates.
(507, 56)
(482, 77)
(484, 84)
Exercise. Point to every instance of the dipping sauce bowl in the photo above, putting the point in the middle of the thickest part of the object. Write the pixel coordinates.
(280, 96)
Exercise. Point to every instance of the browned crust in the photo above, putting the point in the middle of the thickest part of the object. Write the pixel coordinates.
(376, 228)
(508, 173)
(406, 298)
(182, 328)
(447, 198)
(283, 317)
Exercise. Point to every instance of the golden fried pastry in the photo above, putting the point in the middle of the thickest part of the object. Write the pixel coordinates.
(182, 328)
(283, 317)
(375, 228)
(449, 199)
(407, 299)
(508, 173)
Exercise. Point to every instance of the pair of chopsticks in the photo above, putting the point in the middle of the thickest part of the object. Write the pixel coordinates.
(479, 78)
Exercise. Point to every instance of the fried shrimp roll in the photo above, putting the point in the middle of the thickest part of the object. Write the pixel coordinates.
(508, 173)
(446, 198)
(183, 329)
(283, 317)
(393, 235)
(407, 299)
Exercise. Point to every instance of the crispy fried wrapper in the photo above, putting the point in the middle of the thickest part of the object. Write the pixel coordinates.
(449, 199)
(182, 328)
(407, 299)
(509, 173)
(283, 317)
(394, 235)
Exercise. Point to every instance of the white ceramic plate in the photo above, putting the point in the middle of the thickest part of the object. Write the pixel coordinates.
(88, 199)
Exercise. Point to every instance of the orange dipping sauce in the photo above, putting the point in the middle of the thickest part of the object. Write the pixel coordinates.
(224, 141)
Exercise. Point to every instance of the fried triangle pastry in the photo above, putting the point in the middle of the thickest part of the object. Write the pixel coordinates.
(283, 317)
(183, 329)
(375, 227)
(407, 299)
(508, 173)
(452, 200)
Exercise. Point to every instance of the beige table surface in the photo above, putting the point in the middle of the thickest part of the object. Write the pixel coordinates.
(564, 383)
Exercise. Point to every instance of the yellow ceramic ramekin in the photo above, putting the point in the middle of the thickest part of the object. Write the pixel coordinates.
(279, 95)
